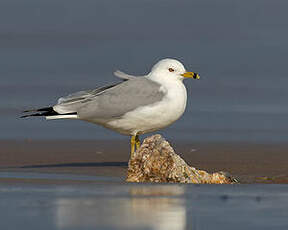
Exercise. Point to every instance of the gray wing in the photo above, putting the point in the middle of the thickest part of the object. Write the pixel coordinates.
(82, 95)
(119, 99)
(74, 101)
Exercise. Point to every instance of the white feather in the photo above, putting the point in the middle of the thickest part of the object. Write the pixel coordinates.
(73, 116)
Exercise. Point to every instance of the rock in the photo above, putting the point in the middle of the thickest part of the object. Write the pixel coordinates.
(156, 161)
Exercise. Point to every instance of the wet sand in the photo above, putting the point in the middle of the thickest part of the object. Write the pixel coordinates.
(81, 185)
(250, 163)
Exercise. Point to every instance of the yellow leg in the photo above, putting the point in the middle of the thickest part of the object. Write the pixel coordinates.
(132, 143)
(138, 143)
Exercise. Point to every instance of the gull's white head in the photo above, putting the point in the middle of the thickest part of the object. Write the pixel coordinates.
(171, 68)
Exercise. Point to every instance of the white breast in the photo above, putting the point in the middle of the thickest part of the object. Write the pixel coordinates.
(154, 117)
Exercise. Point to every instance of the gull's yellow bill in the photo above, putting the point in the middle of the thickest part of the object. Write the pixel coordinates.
(191, 75)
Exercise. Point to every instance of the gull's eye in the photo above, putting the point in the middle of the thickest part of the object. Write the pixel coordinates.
(171, 70)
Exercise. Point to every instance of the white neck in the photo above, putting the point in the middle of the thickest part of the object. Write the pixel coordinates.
(163, 79)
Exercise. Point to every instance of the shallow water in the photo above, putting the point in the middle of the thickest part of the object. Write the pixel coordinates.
(50, 49)
(142, 206)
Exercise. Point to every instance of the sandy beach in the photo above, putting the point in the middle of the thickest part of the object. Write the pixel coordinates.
(249, 163)
(81, 185)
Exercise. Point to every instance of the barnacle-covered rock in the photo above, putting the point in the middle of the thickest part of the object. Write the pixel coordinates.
(156, 161)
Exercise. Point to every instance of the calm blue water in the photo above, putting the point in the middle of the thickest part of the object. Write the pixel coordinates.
(51, 48)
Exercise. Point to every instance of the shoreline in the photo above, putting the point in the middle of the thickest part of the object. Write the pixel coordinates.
(248, 162)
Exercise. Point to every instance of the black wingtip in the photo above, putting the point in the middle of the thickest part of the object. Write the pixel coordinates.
(45, 109)
(48, 111)
(43, 112)
(24, 116)
(29, 111)
(32, 115)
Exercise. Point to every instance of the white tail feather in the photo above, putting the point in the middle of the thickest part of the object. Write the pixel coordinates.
(73, 116)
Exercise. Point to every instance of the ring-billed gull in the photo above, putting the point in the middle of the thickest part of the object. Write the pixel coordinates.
(135, 106)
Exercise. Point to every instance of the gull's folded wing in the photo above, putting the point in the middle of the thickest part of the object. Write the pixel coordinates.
(73, 101)
(111, 101)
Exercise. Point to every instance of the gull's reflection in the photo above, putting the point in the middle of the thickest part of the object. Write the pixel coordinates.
(148, 207)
